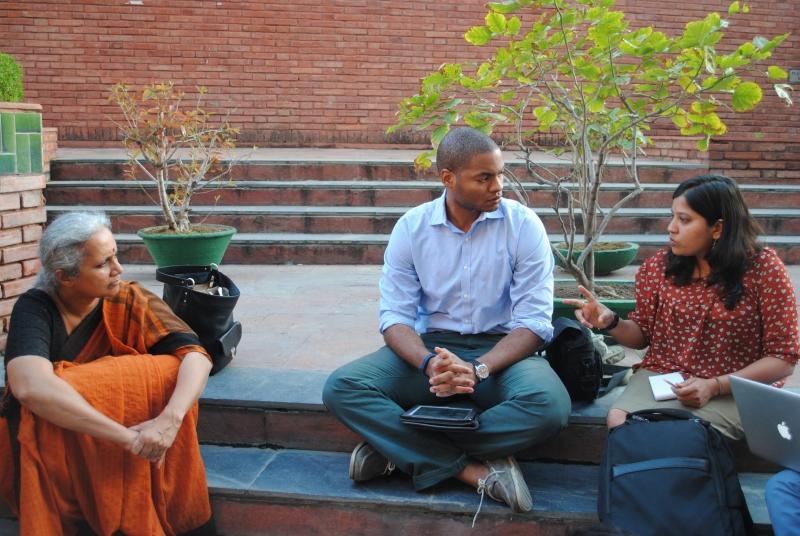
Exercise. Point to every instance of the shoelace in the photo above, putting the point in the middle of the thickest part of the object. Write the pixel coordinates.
(483, 491)
(390, 467)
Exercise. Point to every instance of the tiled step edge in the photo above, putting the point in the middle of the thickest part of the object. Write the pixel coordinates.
(562, 493)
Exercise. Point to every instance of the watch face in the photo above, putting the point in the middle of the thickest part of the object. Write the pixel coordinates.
(482, 371)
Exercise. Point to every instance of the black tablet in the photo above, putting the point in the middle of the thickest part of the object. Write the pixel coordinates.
(446, 417)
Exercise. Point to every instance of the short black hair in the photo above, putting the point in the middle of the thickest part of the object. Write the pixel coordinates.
(460, 145)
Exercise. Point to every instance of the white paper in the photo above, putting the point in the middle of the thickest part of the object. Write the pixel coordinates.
(660, 384)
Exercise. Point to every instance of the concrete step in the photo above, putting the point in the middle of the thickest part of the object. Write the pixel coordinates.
(302, 492)
(381, 220)
(380, 165)
(283, 409)
(266, 491)
(373, 193)
(329, 248)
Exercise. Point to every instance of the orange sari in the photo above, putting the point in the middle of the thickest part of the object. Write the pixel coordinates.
(66, 476)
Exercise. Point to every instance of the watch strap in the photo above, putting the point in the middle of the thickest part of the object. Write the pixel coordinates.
(611, 325)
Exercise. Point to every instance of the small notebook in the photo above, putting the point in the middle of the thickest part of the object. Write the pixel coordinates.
(660, 384)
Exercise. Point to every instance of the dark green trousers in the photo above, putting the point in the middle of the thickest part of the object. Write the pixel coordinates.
(520, 406)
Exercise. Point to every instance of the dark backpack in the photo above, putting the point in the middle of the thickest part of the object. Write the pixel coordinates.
(668, 472)
(573, 357)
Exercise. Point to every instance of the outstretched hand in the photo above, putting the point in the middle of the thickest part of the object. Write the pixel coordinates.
(450, 374)
(590, 312)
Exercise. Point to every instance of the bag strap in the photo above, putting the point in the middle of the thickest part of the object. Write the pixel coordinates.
(617, 374)
(661, 414)
(174, 275)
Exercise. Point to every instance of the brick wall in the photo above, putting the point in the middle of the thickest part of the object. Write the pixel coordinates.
(306, 72)
(22, 212)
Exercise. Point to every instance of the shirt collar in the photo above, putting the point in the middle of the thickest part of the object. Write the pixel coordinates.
(439, 213)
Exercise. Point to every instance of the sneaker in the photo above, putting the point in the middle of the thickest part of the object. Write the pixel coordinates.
(367, 463)
(505, 483)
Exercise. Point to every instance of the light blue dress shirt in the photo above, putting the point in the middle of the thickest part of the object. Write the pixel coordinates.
(493, 279)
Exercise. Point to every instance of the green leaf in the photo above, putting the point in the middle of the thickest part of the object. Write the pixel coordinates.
(478, 35)
(776, 73)
(508, 96)
(746, 96)
(773, 43)
(513, 26)
(596, 105)
(450, 117)
(746, 8)
(702, 144)
(680, 121)
(438, 134)
(496, 22)
(509, 6)
(423, 159)
(734, 8)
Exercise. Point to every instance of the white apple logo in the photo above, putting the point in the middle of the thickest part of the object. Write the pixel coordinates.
(784, 431)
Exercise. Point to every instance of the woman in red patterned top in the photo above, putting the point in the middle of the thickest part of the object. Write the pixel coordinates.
(714, 303)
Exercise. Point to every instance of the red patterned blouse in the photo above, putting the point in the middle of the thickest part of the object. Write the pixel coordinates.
(690, 330)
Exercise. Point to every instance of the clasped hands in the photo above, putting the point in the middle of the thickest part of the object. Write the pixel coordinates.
(449, 374)
(154, 437)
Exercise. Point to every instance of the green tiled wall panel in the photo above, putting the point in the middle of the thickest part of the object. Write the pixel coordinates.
(7, 134)
(20, 142)
(36, 152)
(8, 163)
(28, 122)
(23, 153)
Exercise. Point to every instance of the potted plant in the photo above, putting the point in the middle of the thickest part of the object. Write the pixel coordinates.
(180, 147)
(580, 71)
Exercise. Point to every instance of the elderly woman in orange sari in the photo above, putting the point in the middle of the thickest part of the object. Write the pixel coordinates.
(98, 433)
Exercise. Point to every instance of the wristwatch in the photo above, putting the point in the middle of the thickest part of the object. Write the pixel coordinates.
(481, 370)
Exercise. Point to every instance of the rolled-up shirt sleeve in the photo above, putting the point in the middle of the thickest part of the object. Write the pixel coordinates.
(531, 290)
(400, 287)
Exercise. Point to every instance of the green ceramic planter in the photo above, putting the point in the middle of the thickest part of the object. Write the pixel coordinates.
(608, 260)
(170, 249)
(619, 306)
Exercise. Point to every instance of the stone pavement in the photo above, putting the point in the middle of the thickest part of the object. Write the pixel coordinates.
(317, 317)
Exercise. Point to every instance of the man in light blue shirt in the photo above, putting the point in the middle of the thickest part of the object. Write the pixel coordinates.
(466, 300)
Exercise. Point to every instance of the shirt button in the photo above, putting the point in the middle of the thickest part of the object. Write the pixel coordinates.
(466, 267)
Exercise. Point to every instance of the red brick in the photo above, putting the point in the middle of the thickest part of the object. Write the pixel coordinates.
(32, 198)
(31, 233)
(15, 288)
(10, 271)
(9, 237)
(20, 253)
(9, 202)
(31, 267)
(21, 183)
(24, 217)
(6, 306)
(237, 54)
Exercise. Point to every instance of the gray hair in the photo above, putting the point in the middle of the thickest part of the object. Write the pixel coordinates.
(61, 246)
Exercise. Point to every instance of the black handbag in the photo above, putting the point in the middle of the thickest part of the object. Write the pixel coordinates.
(204, 298)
